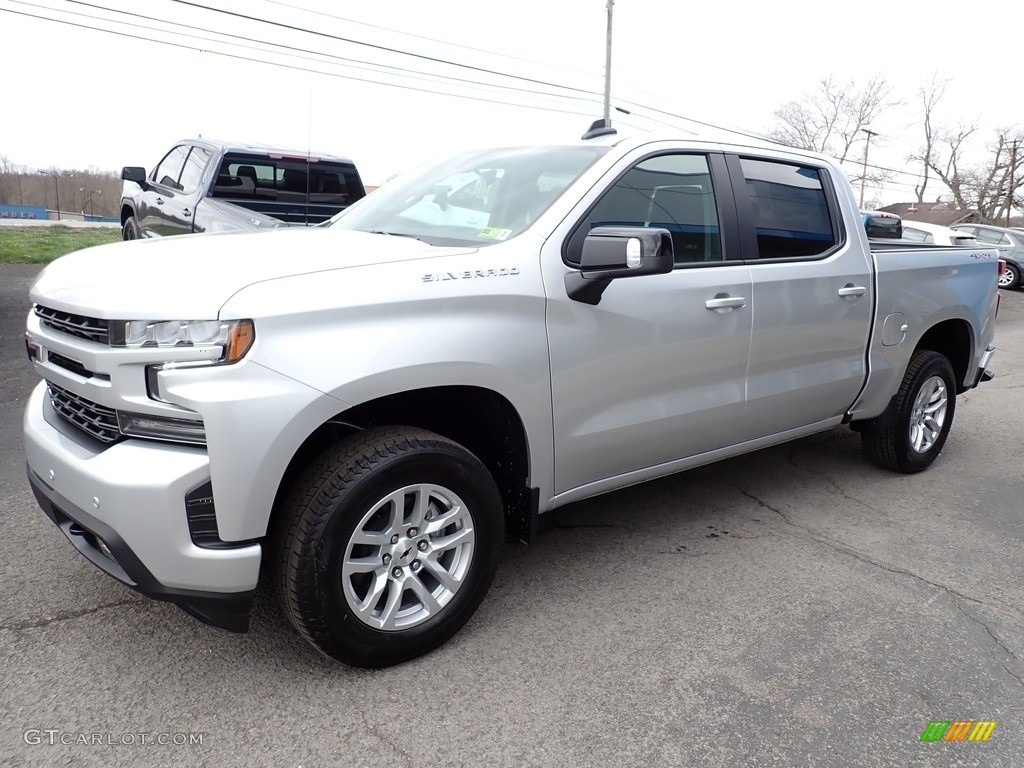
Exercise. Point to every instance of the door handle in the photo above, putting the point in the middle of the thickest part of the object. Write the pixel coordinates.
(186, 213)
(159, 201)
(725, 303)
(850, 289)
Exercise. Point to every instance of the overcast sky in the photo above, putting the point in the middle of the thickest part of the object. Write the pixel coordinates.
(75, 97)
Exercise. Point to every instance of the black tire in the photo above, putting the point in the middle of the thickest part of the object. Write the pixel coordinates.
(904, 441)
(1010, 279)
(344, 493)
(130, 230)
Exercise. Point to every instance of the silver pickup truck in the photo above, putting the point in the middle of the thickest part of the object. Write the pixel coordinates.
(367, 408)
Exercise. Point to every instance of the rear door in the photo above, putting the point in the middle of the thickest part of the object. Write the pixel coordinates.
(812, 295)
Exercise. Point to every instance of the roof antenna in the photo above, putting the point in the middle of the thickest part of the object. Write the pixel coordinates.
(597, 128)
(603, 127)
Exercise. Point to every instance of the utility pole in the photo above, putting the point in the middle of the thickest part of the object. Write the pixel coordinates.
(864, 171)
(56, 189)
(608, 70)
(1009, 192)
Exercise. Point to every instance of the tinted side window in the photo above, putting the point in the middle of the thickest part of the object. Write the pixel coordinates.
(917, 235)
(989, 237)
(672, 192)
(192, 173)
(789, 208)
(166, 174)
(287, 180)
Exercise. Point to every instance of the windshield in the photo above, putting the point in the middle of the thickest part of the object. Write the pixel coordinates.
(478, 198)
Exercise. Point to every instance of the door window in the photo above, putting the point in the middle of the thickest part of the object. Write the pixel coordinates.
(672, 192)
(789, 209)
(167, 173)
(991, 237)
(192, 173)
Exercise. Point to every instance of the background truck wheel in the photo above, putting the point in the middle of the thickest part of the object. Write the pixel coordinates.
(1010, 277)
(130, 230)
(919, 417)
(388, 544)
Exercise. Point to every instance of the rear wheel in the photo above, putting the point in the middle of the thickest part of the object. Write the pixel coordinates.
(390, 541)
(919, 417)
(1010, 278)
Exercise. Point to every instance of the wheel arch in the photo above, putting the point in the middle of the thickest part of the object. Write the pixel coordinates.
(954, 339)
(481, 420)
(127, 211)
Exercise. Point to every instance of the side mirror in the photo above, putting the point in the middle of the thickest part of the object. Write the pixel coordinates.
(441, 198)
(134, 173)
(611, 253)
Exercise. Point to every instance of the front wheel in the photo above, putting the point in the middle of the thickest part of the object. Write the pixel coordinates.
(389, 543)
(919, 417)
(130, 230)
(1010, 278)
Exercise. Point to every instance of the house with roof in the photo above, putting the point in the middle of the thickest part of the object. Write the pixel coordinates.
(943, 214)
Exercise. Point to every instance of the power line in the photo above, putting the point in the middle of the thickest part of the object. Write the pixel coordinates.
(416, 74)
(424, 37)
(353, 41)
(297, 68)
(410, 74)
(370, 66)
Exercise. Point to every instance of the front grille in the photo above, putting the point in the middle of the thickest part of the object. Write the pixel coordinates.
(91, 328)
(92, 418)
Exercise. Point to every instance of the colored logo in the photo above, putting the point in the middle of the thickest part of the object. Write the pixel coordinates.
(958, 730)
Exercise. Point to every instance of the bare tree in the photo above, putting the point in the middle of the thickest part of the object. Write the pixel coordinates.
(992, 188)
(834, 118)
(831, 119)
(930, 95)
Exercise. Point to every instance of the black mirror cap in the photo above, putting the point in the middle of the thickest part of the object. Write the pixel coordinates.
(134, 173)
(610, 253)
(607, 250)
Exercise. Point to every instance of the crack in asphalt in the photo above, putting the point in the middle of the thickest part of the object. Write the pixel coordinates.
(828, 479)
(375, 732)
(995, 639)
(35, 623)
(954, 595)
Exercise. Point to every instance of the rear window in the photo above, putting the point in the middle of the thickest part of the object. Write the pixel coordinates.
(247, 177)
(790, 209)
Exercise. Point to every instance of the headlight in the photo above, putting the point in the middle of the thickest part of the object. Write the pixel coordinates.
(233, 337)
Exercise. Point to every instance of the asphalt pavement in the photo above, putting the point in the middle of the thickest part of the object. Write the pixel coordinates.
(793, 607)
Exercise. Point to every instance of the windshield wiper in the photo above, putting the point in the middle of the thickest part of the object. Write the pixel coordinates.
(392, 234)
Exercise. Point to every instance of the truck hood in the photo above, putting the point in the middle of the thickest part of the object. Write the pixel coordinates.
(189, 277)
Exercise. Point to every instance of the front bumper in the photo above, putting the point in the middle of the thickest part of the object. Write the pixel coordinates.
(135, 528)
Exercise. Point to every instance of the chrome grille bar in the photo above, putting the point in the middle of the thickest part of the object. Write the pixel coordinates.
(91, 328)
(92, 418)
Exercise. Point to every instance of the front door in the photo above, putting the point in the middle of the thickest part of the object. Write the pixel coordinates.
(656, 371)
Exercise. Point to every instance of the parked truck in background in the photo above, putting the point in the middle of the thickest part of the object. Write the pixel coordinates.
(202, 185)
(367, 407)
